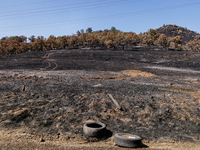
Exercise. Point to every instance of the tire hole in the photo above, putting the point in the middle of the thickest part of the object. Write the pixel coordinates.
(94, 125)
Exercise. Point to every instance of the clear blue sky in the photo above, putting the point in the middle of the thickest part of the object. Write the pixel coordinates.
(65, 17)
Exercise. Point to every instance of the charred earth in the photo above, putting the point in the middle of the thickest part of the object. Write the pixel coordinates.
(53, 93)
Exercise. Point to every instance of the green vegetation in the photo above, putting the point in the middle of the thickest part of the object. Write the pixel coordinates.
(113, 38)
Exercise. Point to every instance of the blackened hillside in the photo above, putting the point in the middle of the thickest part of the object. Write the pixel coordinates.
(174, 30)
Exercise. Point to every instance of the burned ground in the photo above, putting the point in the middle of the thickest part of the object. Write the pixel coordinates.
(54, 93)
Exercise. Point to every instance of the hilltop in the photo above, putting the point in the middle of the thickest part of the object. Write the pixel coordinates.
(174, 30)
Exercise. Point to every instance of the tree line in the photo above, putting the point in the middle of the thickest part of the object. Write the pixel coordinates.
(112, 39)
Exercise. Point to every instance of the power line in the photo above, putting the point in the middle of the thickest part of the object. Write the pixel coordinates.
(102, 17)
(66, 9)
(72, 6)
(27, 4)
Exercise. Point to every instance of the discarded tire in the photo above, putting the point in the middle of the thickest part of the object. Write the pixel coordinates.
(127, 140)
(94, 129)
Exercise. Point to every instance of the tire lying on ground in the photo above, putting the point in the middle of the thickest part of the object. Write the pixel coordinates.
(127, 140)
(94, 129)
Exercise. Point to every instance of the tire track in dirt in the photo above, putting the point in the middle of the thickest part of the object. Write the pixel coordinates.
(46, 56)
(55, 66)
(48, 65)
(51, 66)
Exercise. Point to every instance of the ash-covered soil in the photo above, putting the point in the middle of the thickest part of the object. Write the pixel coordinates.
(50, 95)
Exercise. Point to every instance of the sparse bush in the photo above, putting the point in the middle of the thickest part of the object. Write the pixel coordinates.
(110, 40)
(32, 38)
(150, 37)
(89, 30)
(195, 44)
(109, 44)
(52, 43)
(132, 39)
(13, 45)
(63, 42)
(82, 39)
(177, 42)
(162, 41)
(39, 44)
(120, 40)
(92, 40)
(73, 41)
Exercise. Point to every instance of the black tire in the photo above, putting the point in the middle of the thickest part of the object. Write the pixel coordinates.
(127, 140)
(94, 129)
